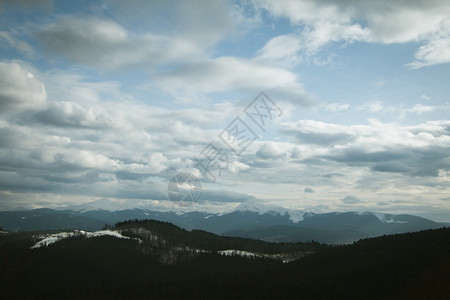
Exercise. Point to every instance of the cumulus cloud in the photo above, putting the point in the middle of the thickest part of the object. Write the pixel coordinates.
(270, 151)
(348, 21)
(97, 147)
(325, 22)
(143, 34)
(72, 114)
(108, 45)
(20, 89)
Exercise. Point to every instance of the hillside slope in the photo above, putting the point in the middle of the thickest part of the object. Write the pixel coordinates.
(413, 265)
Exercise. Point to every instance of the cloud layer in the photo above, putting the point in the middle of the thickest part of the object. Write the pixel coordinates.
(107, 101)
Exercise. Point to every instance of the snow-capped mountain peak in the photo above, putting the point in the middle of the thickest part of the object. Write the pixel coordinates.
(257, 206)
(264, 208)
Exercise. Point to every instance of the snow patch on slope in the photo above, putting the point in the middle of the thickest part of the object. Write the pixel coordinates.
(284, 257)
(233, 252)
(386, 218)
(396, 221)
(296, 216)
(55, 237)
(380, 216)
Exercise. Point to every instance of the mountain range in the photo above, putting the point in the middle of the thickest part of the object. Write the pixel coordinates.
(250, 219)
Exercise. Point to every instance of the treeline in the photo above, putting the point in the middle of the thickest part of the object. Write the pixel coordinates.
(199, 239)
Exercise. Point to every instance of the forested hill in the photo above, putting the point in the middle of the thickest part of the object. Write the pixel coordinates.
(163, 234)
(157, 260)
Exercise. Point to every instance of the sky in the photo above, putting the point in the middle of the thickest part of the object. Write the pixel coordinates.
(105, 101)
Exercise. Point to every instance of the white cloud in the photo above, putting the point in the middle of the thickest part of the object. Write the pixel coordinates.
(231, 73)
(270, 150)
(237, 167)
(20, 89)
(106, 44)
(377, 22)
(282, 49)
(303, 11)
(204, 23)
(144, 34)
(177, 63)
(436, 50)
(93, 144)
(325, 32)
(226, 72)
(425, 97)
(336, 107)
(110, 128)
(320, 133)
(374, 106)
(419, 108)
(324, 22)
(419, 150)
(65, 113)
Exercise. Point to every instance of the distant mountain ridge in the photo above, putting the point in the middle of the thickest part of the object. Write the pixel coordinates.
(250, 219)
